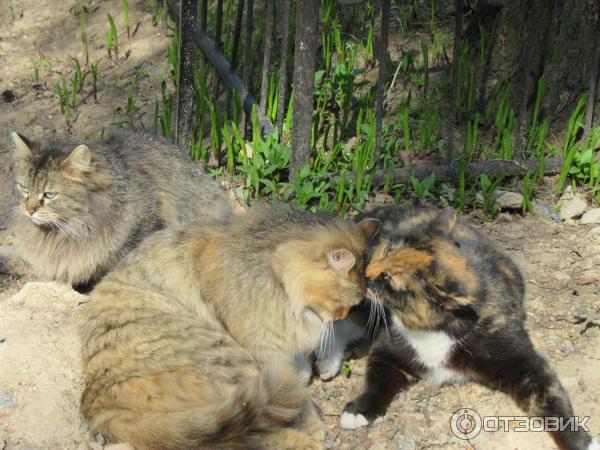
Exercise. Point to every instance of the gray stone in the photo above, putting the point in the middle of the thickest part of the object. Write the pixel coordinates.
(405, 443)
(591, 216)
(573, 208)
(545, 209)
(6, 400)
(504, 218)
(567, 194)
(509, 200)
(561, 276)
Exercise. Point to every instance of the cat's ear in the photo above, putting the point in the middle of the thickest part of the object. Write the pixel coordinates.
(22, 147)
(341, 259)
(369, 227)
(79, 161)
(445, 220)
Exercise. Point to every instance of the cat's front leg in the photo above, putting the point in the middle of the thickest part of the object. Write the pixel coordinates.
(385, 378)
(537, 390)
(303, 366)
(329, 358)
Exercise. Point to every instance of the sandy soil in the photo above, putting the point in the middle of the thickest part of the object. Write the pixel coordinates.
(40, 382)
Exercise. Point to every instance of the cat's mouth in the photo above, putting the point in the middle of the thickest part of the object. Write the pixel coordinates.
(374, 293)
(339, 314)
(377, 293)
(40, 222)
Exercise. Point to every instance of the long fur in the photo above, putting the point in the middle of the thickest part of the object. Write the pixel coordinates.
(190, 343)
(456, 305)
(133, 184)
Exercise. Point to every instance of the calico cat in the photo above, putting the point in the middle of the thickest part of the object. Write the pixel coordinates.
(191, 342)
(454, 309)
(83, 207)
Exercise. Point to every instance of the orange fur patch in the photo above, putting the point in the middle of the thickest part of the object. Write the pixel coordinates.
(402, 260)
(459, 268)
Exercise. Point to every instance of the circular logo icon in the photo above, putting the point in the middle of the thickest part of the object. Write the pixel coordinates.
(465, 423)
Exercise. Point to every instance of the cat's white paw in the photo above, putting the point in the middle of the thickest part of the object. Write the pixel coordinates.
(328, 368)
(594, 445)
(351, 421)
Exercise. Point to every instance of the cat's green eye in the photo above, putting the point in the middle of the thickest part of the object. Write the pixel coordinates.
(23, 189)
(50, 195)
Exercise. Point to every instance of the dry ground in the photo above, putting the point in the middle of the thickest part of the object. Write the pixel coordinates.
(39, 362)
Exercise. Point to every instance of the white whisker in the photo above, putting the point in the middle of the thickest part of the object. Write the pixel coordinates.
(326, 337)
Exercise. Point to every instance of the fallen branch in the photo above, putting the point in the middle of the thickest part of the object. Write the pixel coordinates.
(496, 167)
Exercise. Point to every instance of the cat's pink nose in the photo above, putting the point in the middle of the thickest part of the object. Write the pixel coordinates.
(31, 210)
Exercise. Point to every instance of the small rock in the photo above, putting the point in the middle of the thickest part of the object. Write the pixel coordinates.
(405, 443)
(504, 218)
(6, 400)
(509, 200)
(479, 198)
(573, 208)
(591, 216)
(545, 209)
(568, 349)
(589, 277)
(561, 276)
(568, 193)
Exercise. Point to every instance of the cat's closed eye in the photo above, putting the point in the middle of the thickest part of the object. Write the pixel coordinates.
(385, 276)
(50, 195)
(23, 188)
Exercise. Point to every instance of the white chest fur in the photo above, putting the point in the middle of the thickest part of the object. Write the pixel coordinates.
(433, 349)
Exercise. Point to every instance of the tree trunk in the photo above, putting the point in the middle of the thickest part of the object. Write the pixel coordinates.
(555, 38)
(589, 111)
(307, 31)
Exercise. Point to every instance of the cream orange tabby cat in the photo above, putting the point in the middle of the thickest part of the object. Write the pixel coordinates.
(190, 343)
(83, 207)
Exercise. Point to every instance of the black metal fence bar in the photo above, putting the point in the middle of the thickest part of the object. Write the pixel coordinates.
(186, 98)
(382, 57)
(221, 65)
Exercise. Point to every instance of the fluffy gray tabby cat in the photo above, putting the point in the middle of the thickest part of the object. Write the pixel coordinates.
(83, 207)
